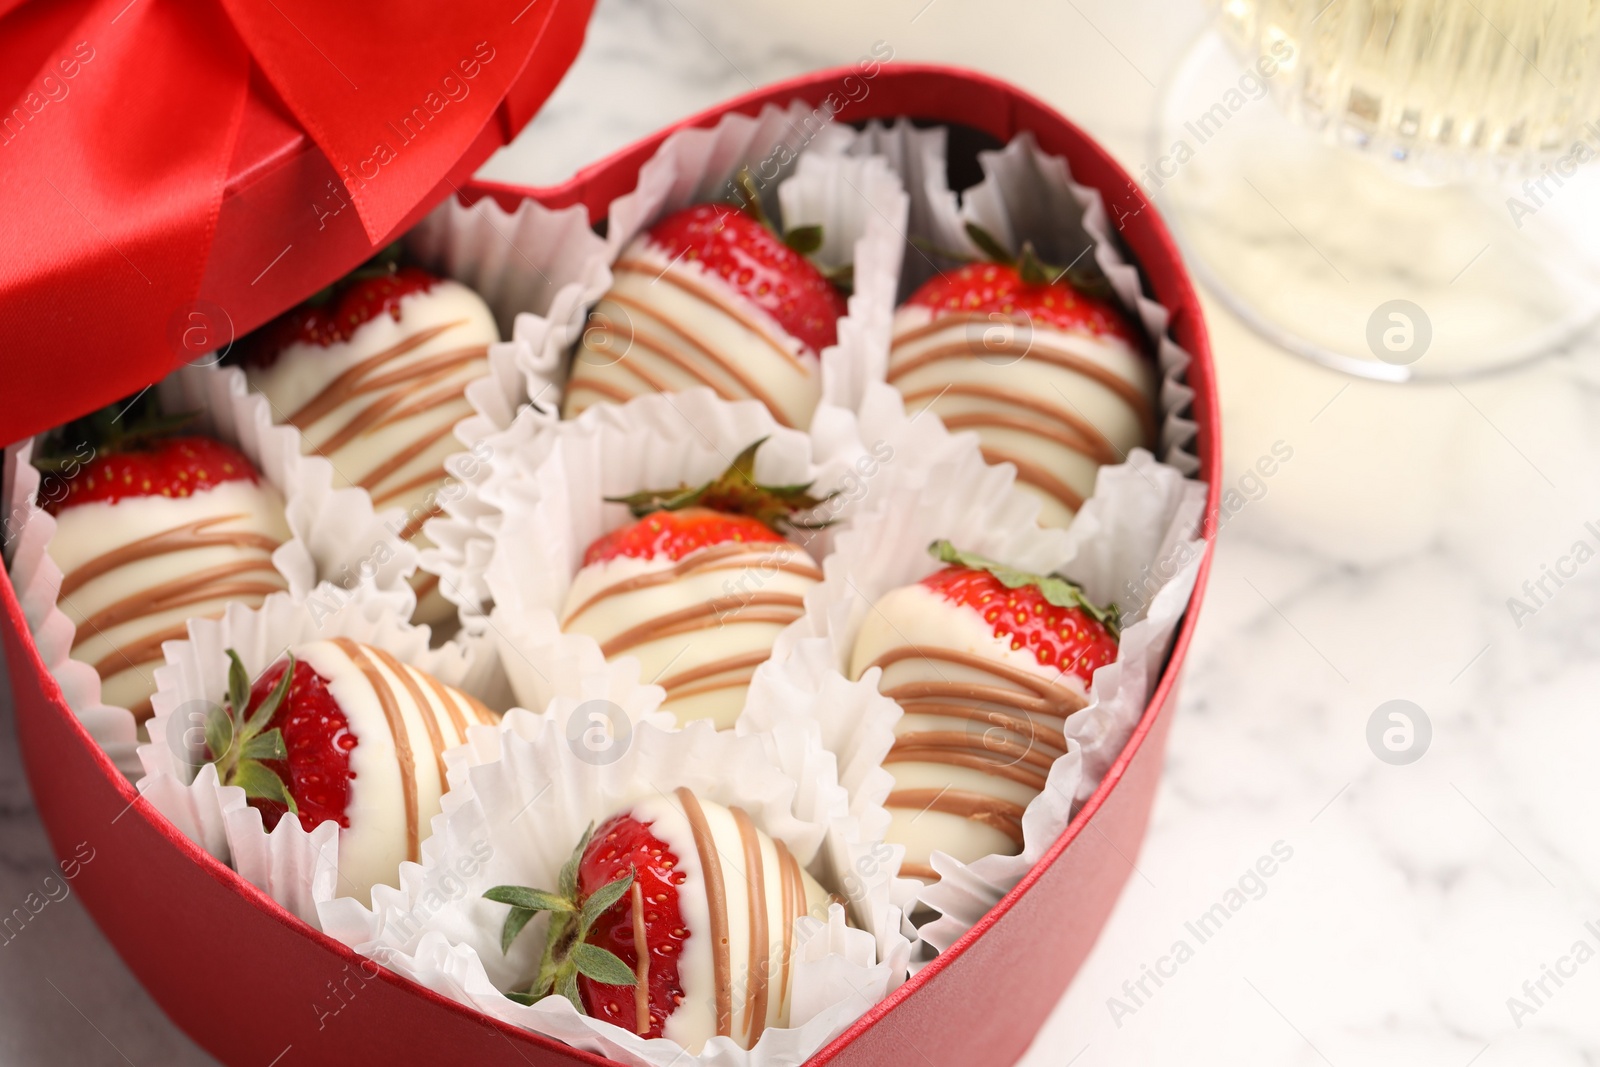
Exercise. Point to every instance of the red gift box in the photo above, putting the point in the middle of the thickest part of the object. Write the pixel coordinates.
(169, 908)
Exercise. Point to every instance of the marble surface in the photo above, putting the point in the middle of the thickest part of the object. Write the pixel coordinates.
(1374, 565)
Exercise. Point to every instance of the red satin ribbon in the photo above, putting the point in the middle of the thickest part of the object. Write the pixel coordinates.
(121, 127)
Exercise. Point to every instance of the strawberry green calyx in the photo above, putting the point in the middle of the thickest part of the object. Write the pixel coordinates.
(735, 491)
(1087, 279)
(1055, 590)
(805, 240)
(567, 952)
(238, 740)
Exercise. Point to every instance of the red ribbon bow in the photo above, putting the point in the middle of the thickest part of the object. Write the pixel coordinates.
(134, 132)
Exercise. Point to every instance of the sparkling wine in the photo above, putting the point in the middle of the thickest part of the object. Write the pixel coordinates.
(1455, 86)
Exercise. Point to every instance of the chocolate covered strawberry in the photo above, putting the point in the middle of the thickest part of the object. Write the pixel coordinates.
(987, 663)
(342, 732)
(373, 371)
(1039, 361)
(712, 296)
(154, 526)
(674, 919)
(698, 587)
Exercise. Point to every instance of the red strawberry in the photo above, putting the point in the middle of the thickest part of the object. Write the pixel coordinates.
(734, 244)
(1049, 615)
(999, 288)
(730, 507)
(317, 743)
(334, 318)
(171, 467)
(675, 534)
(288, 724)
(622, 844)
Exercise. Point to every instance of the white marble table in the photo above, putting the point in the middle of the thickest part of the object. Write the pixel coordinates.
(1376, 566)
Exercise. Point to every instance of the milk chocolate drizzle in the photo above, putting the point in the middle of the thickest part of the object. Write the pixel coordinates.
(249, 580)
(1041, 418)
(420, 386)
(779, 608)
(641, 969)
(405, 760)
(1017, 747)
(694, 356)
(716, 905)
(755, 1001)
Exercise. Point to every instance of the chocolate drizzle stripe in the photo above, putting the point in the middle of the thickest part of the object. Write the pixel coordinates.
(452, 707)
(918, 870)
(641, 968)
(195, 534)
(1000, 750)
(997, 814)
(1041, 353)
(664, 349)
(1017, 724)
(788, 877)
(755, 1004)
(424, 583)
(1053, 433)
(716, 905)
(604, 389)
(1090, 441)
(442, 368)
(414, 527)
(730, 555)
(405, 455)
(404, 758)
(381, 410)
(349, 383)
(1035, 475)
(976, 761)
(135, 654)
(222, 582)
(723, 301)
(702, 616)
(480, 709)
(745, 664)
(1052, 698)
(430, 722)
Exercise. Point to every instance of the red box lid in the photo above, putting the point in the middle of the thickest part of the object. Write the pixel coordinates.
(176, 172)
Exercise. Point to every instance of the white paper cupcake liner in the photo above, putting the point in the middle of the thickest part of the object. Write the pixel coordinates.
(1026, 195)
(1133, 543)
(334, 535)
(294, 867)
(521, 799)
(549, 269)
(545, 495)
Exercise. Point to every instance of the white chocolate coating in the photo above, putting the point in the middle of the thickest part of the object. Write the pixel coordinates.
(785, 892)
(667, 325)
(135, 571)
(403, 721)
(1057, 404)
(982, 726)
(700, 625)
(381, 406)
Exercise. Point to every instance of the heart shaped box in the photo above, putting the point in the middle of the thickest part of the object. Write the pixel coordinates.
(177, 916)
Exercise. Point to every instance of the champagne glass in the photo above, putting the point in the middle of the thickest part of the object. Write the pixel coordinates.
(1399, 189)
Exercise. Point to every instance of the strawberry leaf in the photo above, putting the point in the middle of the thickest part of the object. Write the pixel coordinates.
(265, 746)
(524, 998)
(567, 986)
(518, 918)
(569, 870)
(219, 736)
(749, 199)
(804, 239)
(1058, 591)
(261, 782)
(238, 687)
(991, 248)
(602, 899)
(529, 899)
(735, 492)
(269, 707)
(601, 965)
